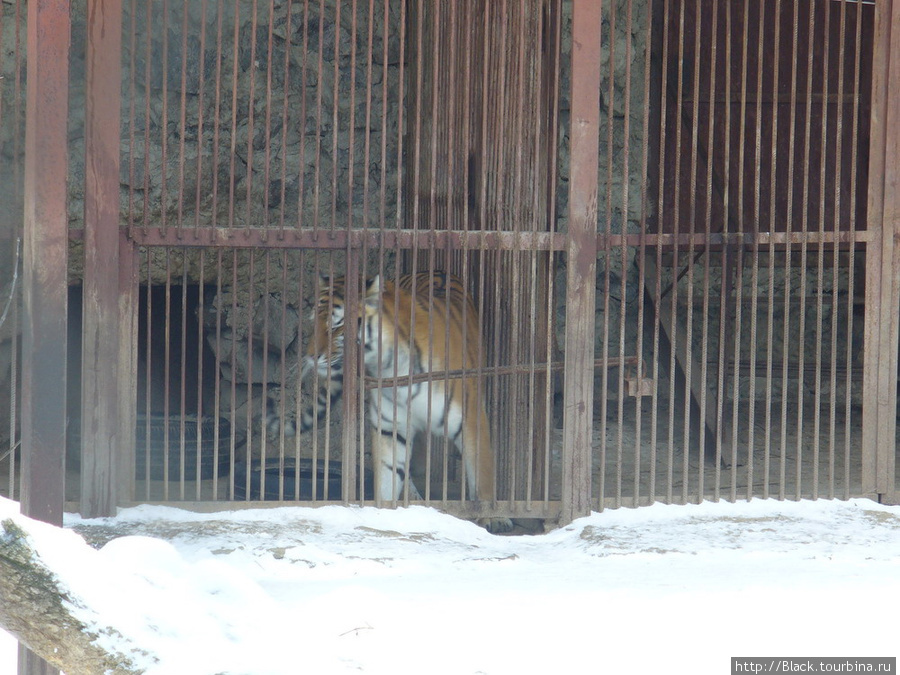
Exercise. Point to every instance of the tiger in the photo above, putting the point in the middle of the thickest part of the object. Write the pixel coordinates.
(395, 322)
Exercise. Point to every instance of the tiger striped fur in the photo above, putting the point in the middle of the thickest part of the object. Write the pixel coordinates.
(396, 320)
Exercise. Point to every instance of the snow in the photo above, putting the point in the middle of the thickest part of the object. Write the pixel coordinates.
(674, 589)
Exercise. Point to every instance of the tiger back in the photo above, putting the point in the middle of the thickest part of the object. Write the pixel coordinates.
(421, 344)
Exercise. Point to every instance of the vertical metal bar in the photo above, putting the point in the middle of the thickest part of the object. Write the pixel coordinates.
(148, 65)
(851, 290)
(251, 112)
(623, 256)
(352, 372)
(182, 376)
(707, 228)
(201, 86)
(267, 126)
(182, 114)
(605, 257)
(199, 312)
(732, 263)
(725, 282)
(218, 309)
(335, 127)
(754, 270)
(691, 389)
(739, 277)
(835, 258)
(358, 463)
(789, 226)
(232, 412)
(129, 269)
(556, 31)
(147, 350)
(820, 273)
(656, 261)
(670, 316)
(804, 252)
(642, 252)
(167, 377)
(100, 350)
(582, 260)
(233, 132)
(217, 125)
(249, 447)
(264, 343)
(164, 122)
(773, 207)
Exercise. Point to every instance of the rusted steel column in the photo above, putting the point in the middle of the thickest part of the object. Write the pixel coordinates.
(882, 262)
(45, 243)
(44, 275)
(582, 261)
(101, 328)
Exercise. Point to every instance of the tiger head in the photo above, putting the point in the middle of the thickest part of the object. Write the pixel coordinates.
(325, 353)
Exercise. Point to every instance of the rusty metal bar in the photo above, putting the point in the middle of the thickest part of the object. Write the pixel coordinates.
(854, 182)
(127, 371)
(352, 238)
(604, 252)
(582, 260)
(521, 369)
(101, 326)
(709, 406)
(488, 240)
(770, 323)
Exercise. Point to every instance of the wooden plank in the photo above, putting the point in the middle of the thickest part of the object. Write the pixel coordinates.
(101, 326)
(880, 334)
(890, 292)
(581, 268)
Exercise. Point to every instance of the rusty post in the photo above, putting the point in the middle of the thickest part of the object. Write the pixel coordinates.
(582, 260)
(44, 288)
(102, 327)
(881, 330)
(45, 256)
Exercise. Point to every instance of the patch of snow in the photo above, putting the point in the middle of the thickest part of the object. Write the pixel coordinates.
(675, 589)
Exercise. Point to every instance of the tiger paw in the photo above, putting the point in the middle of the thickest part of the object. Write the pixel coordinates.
(496, 525)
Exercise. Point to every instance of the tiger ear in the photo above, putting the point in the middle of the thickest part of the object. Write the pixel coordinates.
(373, 287)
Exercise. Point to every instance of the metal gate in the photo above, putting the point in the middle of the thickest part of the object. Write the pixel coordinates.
(266, 148)
(673, 217)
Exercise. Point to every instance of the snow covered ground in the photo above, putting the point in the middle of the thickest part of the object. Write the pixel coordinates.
(662, 589)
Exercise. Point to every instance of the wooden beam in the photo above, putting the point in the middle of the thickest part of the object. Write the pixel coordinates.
(101, 329)
(581, 269)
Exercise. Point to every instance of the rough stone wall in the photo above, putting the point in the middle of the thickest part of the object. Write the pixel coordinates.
(264, 115)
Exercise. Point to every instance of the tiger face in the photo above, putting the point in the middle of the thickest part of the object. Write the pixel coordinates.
(325, 352)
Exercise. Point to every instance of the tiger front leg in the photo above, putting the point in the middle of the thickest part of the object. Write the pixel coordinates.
(390, 454)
